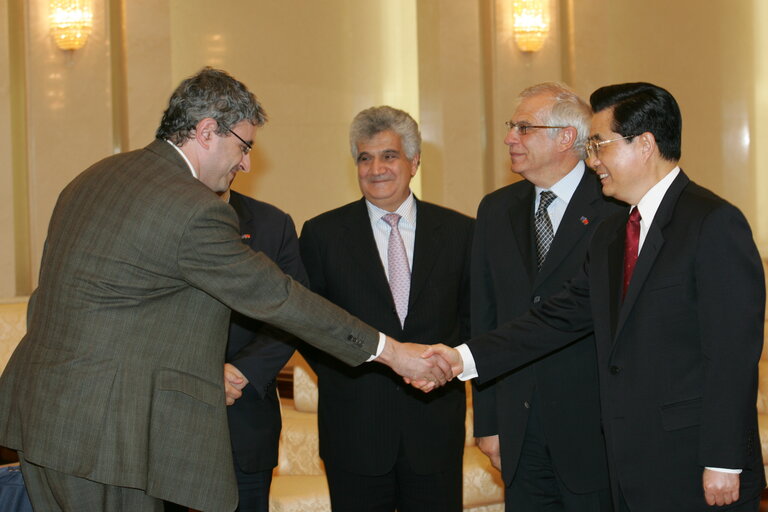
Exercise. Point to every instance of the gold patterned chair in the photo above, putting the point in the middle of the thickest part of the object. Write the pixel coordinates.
(13, 326)
(762, 403)
(299, 483)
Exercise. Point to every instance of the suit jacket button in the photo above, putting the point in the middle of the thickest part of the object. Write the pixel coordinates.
(615, 370)
(526, 404)
(537, 299)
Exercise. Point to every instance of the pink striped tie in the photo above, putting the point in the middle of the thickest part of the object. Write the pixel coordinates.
(399, 272)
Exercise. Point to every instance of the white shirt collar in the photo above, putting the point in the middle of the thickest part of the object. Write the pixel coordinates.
(649, 204)
(407, 211)
(566, 187)
(189, 164)
(651, 201)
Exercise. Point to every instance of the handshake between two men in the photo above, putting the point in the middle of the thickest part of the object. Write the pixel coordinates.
(424, 367)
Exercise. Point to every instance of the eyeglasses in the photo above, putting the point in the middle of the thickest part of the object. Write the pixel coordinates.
(523, 128)
(593, 146)
(247, 149)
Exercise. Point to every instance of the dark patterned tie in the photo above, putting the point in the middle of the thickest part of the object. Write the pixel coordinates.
(399, 271)
(631, 248)
(544, 231)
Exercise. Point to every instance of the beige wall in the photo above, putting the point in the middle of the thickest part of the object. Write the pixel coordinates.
(313, 65)
(451, 63)
(7, 225)
(703, 56)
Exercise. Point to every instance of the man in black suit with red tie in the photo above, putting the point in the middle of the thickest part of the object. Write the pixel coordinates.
(541, 423)
(403, 265)
(674, 291)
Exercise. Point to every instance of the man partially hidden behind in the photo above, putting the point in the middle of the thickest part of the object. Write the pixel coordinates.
(541, 423)
(114, 397)
(673, 289)
(255, 354)
(402, 265)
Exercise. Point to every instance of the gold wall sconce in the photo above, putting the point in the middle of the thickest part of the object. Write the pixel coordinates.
(71, 22)
(531, 24)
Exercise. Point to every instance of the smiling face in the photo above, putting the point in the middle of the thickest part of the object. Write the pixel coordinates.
(621, 164)
(225, 156)
(384, 172)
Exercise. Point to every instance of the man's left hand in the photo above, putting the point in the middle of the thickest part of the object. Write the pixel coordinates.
(234, 382)
(720, 488)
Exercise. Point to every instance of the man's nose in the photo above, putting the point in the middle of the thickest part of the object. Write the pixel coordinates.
(245, 163)
(512, 137)
(592, 160)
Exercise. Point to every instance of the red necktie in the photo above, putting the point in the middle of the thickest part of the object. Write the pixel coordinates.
(631, 246)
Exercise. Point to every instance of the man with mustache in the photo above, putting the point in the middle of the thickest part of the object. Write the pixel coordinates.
(402, 265)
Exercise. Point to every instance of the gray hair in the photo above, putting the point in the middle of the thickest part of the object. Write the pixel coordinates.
(210, 93)
(568, 110)
(374, 120)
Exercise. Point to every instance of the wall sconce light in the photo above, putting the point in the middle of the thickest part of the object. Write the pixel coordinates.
(71, 22)
(531, 24)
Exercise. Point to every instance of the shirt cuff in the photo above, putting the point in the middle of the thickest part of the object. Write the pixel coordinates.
(379, 348)
(726, 470)
(470, 370)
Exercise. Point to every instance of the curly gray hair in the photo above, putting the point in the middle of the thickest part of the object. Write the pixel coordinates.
(371, 121)
(210, 93)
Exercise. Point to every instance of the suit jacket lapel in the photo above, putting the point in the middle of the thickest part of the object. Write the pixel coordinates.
(522, 207)
(246, 219)
(653, 243)
(426, 250)
(363, 251)
(573, 226)
(615, 259)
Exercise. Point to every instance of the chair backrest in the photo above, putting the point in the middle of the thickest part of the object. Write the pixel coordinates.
(13, 326)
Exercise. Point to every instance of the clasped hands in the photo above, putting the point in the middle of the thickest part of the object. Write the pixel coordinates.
(424, 367)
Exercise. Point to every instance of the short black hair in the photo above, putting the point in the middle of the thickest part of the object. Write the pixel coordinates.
(642, 107)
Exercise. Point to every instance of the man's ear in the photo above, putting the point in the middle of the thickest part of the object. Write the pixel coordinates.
(205, 130)
(415, 161)
(647, 143)
(567, 138)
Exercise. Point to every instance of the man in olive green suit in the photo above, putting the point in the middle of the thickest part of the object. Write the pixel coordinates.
(115, 398)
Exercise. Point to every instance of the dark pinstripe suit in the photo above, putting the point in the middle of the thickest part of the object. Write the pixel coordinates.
(366, 417)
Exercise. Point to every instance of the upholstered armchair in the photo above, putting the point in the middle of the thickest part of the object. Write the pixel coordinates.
(299, 483)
